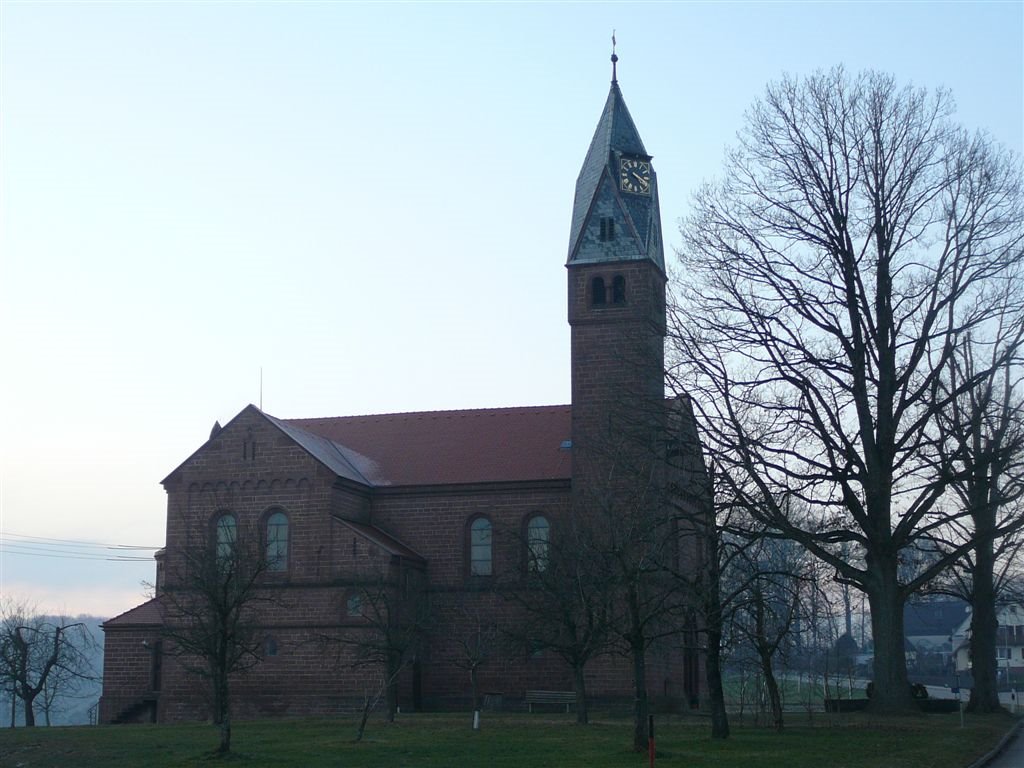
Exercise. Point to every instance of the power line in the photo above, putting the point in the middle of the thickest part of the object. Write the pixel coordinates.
(46, 541)
(25, 545)
(12, 549)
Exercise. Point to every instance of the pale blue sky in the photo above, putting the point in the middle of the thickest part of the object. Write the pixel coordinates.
(369, 201)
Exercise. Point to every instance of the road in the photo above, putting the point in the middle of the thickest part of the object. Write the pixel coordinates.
(1012, 756)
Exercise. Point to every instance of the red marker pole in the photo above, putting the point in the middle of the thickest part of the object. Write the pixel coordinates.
(650, 739)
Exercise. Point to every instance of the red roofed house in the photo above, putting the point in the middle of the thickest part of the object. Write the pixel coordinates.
(425, 495)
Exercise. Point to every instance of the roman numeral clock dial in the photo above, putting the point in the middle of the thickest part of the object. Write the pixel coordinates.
(635, 176)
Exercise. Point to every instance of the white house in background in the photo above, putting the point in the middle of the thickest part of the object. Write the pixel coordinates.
(929, 625)
(1009, 641)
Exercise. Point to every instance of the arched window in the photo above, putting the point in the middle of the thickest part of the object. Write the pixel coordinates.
(277, 542)
(597, 292)
(480, 552)
(538, 538)
(618, 290)
(225, 536)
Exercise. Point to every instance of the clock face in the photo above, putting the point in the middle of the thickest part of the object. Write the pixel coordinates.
(635, 176)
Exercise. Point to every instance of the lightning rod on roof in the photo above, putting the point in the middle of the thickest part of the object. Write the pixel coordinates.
(615, 59)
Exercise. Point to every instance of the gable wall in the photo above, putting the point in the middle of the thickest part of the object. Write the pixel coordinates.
(225, 477)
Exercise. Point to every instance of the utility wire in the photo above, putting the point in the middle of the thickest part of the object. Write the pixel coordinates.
(71, 549)
(17, 552)
(71, 542)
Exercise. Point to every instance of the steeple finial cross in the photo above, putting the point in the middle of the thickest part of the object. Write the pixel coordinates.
(615, 59)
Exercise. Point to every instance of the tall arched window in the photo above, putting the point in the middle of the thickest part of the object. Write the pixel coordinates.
(597, 292)
(618, 290)
(480, 551)
(277, 542)
(225, 536)
(538, 538)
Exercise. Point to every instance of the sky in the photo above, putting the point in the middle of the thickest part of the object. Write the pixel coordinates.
(343, 208)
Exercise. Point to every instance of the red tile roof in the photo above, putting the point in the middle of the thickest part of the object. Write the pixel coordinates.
(149, 613)
(441, 447)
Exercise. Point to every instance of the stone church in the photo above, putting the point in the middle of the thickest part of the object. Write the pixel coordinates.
(451, 505)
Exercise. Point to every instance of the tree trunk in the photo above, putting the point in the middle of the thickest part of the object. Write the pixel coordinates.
(716, 696)
(765, 653)
(27, 699)
(225, 735)
(391, 700)
(222, 714)
(579, 684)
(640, 704)
(713, 619)
(772, 685)
(891, 685)
(984, 622)
(367, 703)
(476, 698)
(394, 667)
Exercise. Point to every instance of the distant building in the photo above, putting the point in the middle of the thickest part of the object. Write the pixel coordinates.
(1009, 643)
(425, 495)
(929, 625)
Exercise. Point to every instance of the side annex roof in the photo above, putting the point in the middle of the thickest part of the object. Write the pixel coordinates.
(386, 542)
(148, 614)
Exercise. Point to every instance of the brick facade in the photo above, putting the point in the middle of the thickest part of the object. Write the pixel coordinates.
(394, 497)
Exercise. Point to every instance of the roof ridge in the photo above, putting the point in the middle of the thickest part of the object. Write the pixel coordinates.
(340, 449)
(442, 412)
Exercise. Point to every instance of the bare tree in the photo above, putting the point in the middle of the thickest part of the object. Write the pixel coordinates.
(767, 606)
(41, 655)
(75, 677)
(566, 598)
(707, 584)
(477, 645)
(857, 234)
(634, 521)
(212, 610)
(983, 431)
(390, 616)
(749, 593)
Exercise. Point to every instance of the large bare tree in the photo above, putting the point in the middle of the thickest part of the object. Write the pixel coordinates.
(857, 234)
(983, 431)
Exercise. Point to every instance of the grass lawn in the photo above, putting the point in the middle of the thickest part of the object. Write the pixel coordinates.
(849, 741)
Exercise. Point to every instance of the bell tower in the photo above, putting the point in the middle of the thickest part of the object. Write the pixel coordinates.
(616, 271)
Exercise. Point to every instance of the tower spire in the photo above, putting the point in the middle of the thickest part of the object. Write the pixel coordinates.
(615, 60)
(607, 190)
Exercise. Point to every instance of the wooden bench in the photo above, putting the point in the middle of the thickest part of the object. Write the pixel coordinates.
(568, 698)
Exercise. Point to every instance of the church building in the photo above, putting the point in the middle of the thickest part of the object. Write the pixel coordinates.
(438, 508)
